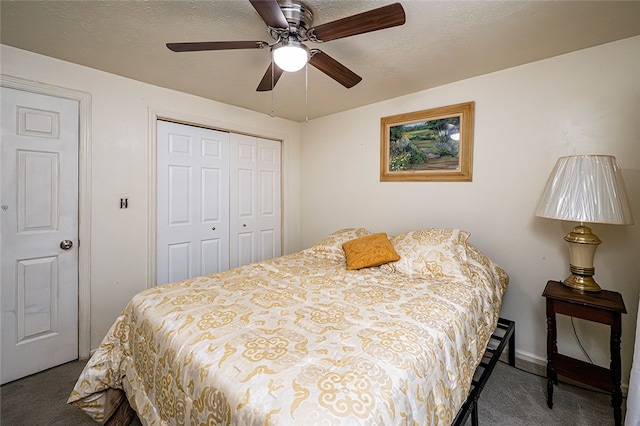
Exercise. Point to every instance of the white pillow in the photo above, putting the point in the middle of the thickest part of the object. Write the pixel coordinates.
(331, 246)
(432, 252)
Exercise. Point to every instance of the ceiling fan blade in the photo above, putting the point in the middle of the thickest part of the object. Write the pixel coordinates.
(216, 45)
(373, 20)
(265, 84)
(270, 12)
(334, 69)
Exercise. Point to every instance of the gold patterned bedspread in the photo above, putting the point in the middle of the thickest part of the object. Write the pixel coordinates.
(302, 340)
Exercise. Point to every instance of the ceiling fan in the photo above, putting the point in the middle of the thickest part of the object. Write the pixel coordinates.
(290, 24)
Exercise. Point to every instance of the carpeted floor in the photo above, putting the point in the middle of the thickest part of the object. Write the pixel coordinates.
(510, 398)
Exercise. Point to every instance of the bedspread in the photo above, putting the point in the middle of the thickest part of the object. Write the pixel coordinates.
(300, 340)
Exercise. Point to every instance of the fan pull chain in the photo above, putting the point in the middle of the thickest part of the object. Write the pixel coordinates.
(306, 92)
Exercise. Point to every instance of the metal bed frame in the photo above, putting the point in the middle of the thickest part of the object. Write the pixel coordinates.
(503, 334)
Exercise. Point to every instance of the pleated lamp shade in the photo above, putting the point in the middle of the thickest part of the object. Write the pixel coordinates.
(587, 189)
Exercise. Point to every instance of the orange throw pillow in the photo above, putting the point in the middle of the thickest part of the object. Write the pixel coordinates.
(368, 251)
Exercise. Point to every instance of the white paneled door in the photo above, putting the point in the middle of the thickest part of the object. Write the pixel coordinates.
(39, 229)
(192, 202)
(255, 199)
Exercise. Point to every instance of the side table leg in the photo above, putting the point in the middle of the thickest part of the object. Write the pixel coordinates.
(552, 350)
(549, 389)
(616, 393)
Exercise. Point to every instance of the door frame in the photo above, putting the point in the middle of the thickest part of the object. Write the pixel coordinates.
(155, 114)
(84, 196)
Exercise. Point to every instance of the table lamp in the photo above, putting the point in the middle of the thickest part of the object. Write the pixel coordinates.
(585, 189)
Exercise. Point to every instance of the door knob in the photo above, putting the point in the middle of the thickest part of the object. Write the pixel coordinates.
(66, 244)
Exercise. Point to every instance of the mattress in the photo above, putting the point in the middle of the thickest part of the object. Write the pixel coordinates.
(301, 339)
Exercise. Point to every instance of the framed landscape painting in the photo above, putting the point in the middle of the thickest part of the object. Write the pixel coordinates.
(431, 145)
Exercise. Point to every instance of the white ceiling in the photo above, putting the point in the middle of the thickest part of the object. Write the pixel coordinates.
(441, 42)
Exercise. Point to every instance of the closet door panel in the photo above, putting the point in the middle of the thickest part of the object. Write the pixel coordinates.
(180, 197)
(243, 165)
(268, 244)
(192, 236)
(255, 202)
(213, 256)
(269, 200)
(179, 261)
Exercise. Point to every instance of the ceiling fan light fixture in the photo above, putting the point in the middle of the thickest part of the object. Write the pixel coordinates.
(291, 56)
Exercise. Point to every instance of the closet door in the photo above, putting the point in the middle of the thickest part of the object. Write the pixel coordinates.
(192, 202)
(255, 227)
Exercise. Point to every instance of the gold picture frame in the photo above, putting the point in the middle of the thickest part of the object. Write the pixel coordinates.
(430, 145)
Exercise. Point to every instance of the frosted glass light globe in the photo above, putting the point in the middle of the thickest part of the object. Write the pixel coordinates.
(291, 56)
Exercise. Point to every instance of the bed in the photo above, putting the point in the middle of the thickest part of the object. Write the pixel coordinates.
(313, 337)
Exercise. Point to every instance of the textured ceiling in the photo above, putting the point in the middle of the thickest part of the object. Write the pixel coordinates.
(441, 42)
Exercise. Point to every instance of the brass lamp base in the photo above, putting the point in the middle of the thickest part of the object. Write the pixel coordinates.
(582, 282)
(582, 248)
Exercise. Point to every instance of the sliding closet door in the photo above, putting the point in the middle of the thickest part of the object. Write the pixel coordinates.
(255, 232)
(192, 202)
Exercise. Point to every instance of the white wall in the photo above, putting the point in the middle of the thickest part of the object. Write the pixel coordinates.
(120, 150)
(525, 118)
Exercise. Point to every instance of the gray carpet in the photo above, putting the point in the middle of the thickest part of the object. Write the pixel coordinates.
(511, 398)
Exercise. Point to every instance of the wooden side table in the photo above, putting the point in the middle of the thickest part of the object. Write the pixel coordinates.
(604, 307)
